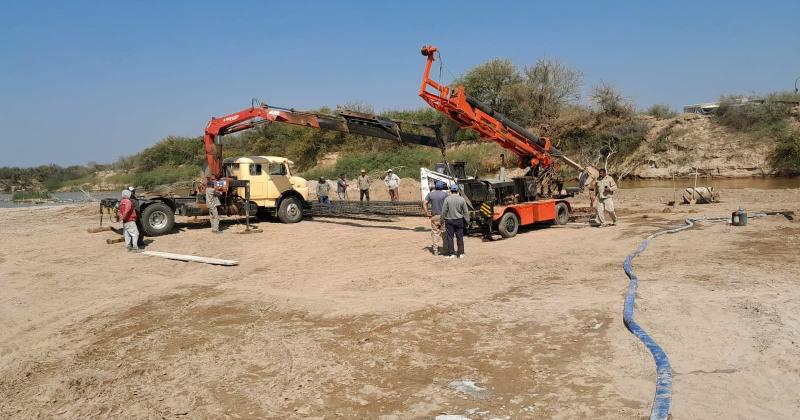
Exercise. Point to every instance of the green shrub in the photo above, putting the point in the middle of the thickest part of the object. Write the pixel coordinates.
(750, 116)
(166, 175)
(172, 151)
(482, 159)
(786, 155)
(661, 111)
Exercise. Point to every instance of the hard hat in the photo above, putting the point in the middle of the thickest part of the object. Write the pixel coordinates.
(454, 188)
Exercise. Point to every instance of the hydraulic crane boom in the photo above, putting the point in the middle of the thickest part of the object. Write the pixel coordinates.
(470, 113)
(345, 121)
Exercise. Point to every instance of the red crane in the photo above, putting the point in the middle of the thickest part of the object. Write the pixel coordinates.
(531, 150)
(345, 121)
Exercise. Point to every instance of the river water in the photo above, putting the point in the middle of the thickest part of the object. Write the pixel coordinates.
(717, 183)
(62, 197)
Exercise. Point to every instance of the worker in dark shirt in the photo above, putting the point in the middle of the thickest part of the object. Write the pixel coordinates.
(456, 218)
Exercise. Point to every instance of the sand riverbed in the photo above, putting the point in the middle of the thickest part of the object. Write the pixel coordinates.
(337, 318)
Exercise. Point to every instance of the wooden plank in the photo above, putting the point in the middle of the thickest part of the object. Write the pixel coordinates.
(192, 258)
(115, 240)
(100, 229)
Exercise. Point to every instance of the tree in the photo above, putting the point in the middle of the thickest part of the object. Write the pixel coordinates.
(609, 101)
(547, 87)
(488, 81)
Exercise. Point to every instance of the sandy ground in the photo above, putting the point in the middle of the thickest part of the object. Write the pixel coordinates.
(334, 318)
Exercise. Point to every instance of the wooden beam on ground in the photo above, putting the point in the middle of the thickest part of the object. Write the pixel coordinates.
(115, 240)
(100, 229)
(192, 258)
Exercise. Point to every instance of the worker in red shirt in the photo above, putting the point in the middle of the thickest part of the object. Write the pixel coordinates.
(128, 216)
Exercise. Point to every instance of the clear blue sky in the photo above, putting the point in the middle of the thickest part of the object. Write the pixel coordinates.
(90, 81)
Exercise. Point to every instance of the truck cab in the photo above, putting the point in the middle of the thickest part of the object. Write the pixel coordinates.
(272, 187)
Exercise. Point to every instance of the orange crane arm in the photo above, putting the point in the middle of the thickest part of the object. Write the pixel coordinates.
(469, 113)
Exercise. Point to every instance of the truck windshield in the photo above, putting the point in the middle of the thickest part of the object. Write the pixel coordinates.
(230, 169)
(277, 169)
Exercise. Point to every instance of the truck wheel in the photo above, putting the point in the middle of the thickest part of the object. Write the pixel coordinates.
(508, 225)
(290, 210)
(263, 214)
(562, 214)
(157, 219)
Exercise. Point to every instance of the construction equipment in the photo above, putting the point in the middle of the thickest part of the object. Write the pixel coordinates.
(500, 204)
(264, 185)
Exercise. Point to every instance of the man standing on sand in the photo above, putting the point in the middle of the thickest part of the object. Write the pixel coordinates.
(456, 217)
(392, 182)
(433, 209)
(363, 185)
(604, 189)
(128, 216)
(323, 189)
(212, 201)
(139, 226)
(341, 187)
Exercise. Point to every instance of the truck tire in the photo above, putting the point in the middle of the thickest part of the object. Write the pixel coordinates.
(290, 210)
(562, 214)
(157, 219)
(508, 225)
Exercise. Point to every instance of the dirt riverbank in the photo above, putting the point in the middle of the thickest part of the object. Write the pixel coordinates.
(334, 318)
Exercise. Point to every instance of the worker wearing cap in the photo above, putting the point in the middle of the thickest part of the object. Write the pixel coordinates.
(128, 216)
(392, 182)
(432, 205)
(212, 201)
(323, 189)
(456, 217)
(604, 188)
(363, 185)
(139, 227)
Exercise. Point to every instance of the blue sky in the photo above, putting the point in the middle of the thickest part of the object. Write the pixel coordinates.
(90, 81)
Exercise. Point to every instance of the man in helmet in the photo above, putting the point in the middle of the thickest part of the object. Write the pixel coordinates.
(392, 182)
(433, 209)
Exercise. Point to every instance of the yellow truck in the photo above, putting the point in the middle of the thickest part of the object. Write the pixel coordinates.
(273, 192)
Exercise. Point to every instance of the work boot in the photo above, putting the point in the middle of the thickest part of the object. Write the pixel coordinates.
(216, 231)
(137, 250)
(450, 256)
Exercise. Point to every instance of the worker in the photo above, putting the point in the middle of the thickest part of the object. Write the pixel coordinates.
(432, 205)
(139, 227)
(128, 216)
(392, 182)
(604, 188)
(212, 201)
(456, 217)
(363, 185)
(341, 187)
(322, 191)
